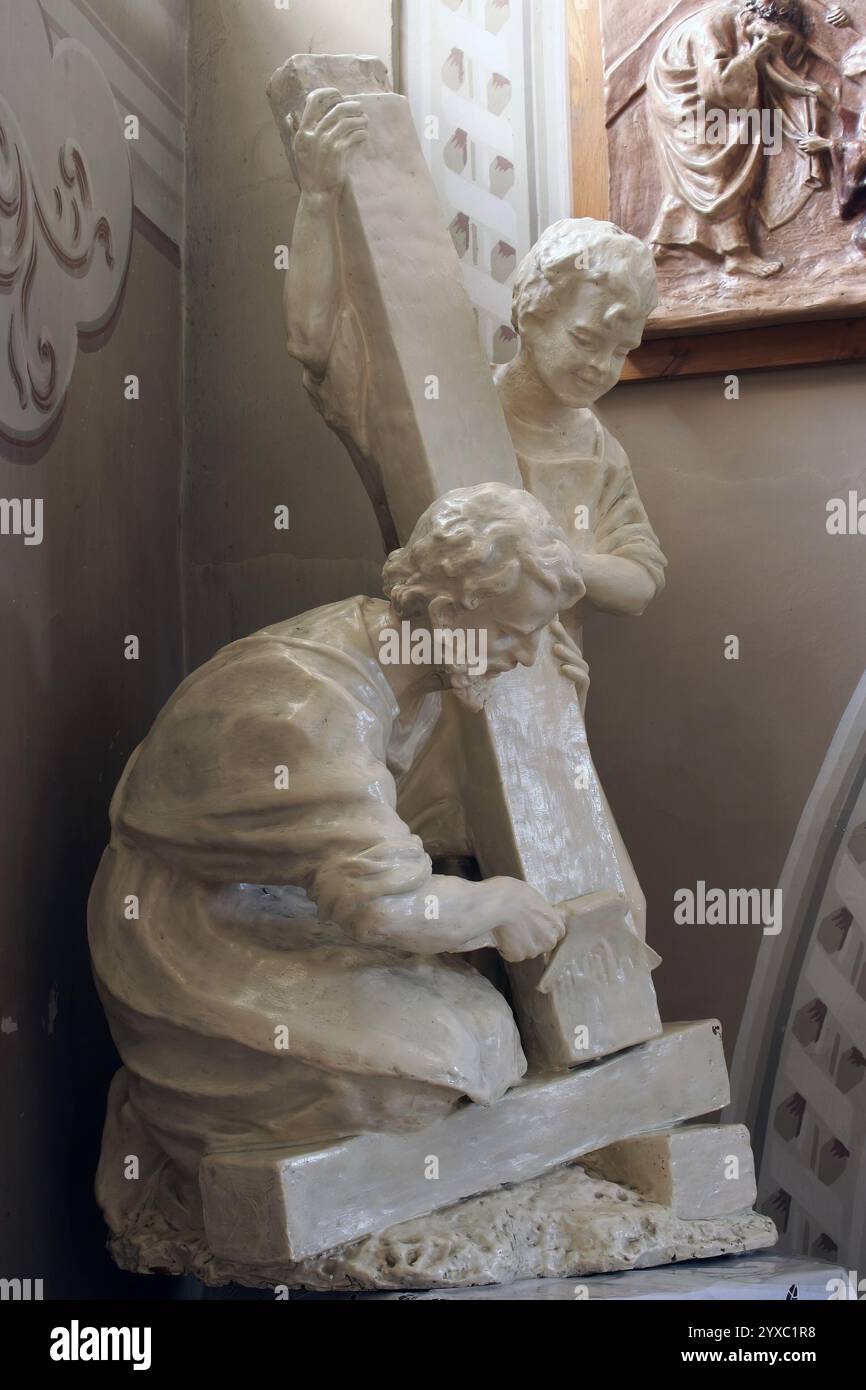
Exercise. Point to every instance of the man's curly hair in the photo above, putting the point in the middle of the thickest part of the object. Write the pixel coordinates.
(476, 543)
(790, 12)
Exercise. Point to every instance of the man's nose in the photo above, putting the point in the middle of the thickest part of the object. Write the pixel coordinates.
(527, 649)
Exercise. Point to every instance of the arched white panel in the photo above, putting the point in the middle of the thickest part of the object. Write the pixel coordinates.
(799, 1074)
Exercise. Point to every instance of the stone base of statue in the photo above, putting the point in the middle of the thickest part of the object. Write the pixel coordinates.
(568, 1224)
(762, 1277)
(487, 1195)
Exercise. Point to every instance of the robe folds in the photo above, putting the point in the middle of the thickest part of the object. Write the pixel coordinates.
(594, 498)
(712, 172)
(225, 914)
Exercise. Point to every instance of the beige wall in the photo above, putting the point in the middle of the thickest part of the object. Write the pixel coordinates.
(253, 439)
(708, 762)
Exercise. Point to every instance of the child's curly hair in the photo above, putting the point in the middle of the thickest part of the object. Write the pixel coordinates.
(585, 249)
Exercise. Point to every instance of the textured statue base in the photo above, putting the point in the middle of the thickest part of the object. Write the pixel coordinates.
(568, 1224)
(306, 1218)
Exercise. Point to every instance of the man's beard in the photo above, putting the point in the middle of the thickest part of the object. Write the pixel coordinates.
(471, 691)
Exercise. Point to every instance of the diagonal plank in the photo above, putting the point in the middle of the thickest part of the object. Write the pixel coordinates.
(296, 1203)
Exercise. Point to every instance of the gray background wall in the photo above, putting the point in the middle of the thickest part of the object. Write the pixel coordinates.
(254, 440)
(708, 762)
(72, 711)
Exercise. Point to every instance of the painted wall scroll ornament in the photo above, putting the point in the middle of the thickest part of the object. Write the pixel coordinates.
(65, 217)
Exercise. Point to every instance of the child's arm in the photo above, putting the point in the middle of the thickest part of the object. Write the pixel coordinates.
(627, 568)
(617, 585)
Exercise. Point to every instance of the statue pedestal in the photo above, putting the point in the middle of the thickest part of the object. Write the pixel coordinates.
(510, 1201)
(758, 1278)
(762, 1278)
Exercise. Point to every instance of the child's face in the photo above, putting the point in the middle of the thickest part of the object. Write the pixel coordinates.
(579, 347)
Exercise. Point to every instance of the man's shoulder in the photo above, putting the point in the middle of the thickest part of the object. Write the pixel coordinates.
(331, 621)
(336, 635)
(324, 658)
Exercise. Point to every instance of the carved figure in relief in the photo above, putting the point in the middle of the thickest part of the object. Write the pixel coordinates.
(726, 88)
(848, 147)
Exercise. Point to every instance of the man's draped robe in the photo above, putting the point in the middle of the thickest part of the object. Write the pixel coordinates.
(712, 173)
(243, 1014)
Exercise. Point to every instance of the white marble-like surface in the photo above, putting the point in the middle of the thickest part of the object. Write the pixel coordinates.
(757, 1278)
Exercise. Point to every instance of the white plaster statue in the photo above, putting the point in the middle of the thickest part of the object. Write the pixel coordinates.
(260, 877)
(292, 984)
(581, 300)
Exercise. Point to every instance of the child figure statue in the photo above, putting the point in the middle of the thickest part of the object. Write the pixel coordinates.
(582, 297)
(581, 300)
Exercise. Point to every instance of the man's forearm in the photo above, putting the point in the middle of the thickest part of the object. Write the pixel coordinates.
(726, 81)
(311, 293)
(447, 915)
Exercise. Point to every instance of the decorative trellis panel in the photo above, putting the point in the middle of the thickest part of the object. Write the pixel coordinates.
(487, 83)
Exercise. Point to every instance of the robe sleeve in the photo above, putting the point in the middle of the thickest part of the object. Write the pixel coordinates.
(268, 767)
(715, 49)
(623, 528)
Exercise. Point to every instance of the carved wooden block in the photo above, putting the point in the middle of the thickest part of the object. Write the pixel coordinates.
(736, 140)
(699, 1171)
